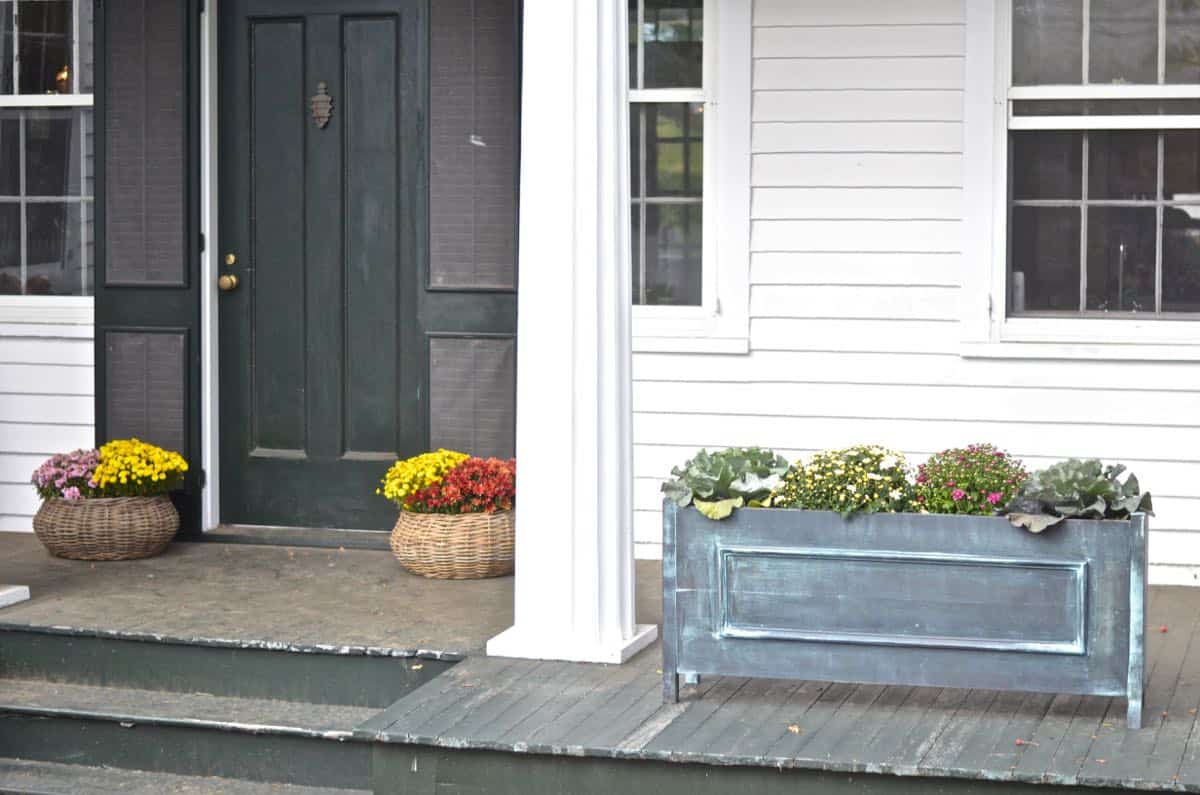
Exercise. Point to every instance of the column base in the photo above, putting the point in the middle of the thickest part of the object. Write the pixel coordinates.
(12, 594)
(547, 645)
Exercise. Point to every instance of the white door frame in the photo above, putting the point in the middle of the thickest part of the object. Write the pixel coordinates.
(210, 450)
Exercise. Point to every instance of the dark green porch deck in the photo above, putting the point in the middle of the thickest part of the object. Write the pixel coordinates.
(499, 725)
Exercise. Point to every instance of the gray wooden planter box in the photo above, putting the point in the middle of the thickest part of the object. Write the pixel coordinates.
(906, 599)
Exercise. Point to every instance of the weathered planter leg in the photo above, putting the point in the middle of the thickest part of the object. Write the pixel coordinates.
(670, 687)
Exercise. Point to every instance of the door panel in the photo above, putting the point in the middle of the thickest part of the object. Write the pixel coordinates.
(334, 347)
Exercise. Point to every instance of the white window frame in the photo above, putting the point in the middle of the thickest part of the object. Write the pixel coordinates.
(987, 331)
(721, 324)
(50, 308)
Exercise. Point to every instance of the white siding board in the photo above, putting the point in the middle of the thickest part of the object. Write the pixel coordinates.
(46, 406)
(921, 363)
(1025, 438)
(918, 237)
(78, 409)
(855, 267)
(857, 12)
(892, 204)
(984, 404)
(43, 439)
(854, 302)
(18, 468)
(858, 105)
(848, 335)
(890, 74)
(45, 379)
(858, 41)
(836, 136)
(857, 170)
(30, 350)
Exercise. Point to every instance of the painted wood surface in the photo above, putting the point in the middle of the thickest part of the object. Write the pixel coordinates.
(46, 387)
(608, 712)
(856, 297)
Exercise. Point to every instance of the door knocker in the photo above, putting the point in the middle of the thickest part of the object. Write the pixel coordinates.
(322, 105)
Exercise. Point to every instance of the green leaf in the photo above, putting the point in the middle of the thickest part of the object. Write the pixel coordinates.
(677, 491)
(718, 510)
(1034, 522)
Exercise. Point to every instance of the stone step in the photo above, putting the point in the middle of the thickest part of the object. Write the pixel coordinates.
(53, 778)
(189, 734)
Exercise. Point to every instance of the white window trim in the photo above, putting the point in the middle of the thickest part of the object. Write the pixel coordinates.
(986, 330)
(722, 323)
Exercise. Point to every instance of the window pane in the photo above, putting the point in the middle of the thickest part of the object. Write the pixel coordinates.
(673, 43)
(1047, 165)
(1181, 259)
(10, 248)
(1122, 165)
(52, 152)
(671, 273)
(1183, 41)
(633, 44)
(674, 150)
(6, 47)
(87, 51)
(1047, 42)
(1045, 259)
(1124, 41)
(10, 153)
(44, 46)
(1181, 172)
(1120, 262)
(53, 249)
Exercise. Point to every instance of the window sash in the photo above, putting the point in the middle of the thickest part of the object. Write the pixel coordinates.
(16, 98)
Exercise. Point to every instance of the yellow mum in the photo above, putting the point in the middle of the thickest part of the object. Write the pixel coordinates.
(133, 468)
(410, 475)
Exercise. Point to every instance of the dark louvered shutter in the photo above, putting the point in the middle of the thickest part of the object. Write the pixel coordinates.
(148, 280)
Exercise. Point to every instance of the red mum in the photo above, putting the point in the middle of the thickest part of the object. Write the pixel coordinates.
(476, 485)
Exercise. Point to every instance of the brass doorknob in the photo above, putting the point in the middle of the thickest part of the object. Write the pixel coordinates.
(227, 282)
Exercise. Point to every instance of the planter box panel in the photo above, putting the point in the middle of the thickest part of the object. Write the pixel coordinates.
(906, 599)
(1002, 604)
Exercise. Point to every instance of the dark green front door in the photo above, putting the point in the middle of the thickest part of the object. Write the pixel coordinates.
(330, 343)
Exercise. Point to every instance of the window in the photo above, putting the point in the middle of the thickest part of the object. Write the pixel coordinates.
(667, 132)
(1103, 118)
(47, 186)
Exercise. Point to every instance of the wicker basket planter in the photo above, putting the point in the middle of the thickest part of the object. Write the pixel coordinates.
(465, 546)
(116, 528)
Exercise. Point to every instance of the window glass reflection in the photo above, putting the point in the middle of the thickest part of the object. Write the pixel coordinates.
(44, 43)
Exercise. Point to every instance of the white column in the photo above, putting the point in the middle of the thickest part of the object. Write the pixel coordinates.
(574, 517)
(12, 594)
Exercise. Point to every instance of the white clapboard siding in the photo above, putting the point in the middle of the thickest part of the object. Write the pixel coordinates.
(857, 170)
(857, 12)
(855, 267)
(858, 41)
(792, 365)
(857, 105)
(917, 237)
(857, 301)
(829, 74)
(46, 406)
(839, 136)
(890, 204)
(823, 333)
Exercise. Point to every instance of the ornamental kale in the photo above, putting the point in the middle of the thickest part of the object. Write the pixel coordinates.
(1077, 489)
(716, 483)
(975, 480)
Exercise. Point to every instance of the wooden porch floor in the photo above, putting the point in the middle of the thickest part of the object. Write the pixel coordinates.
(273, 596)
